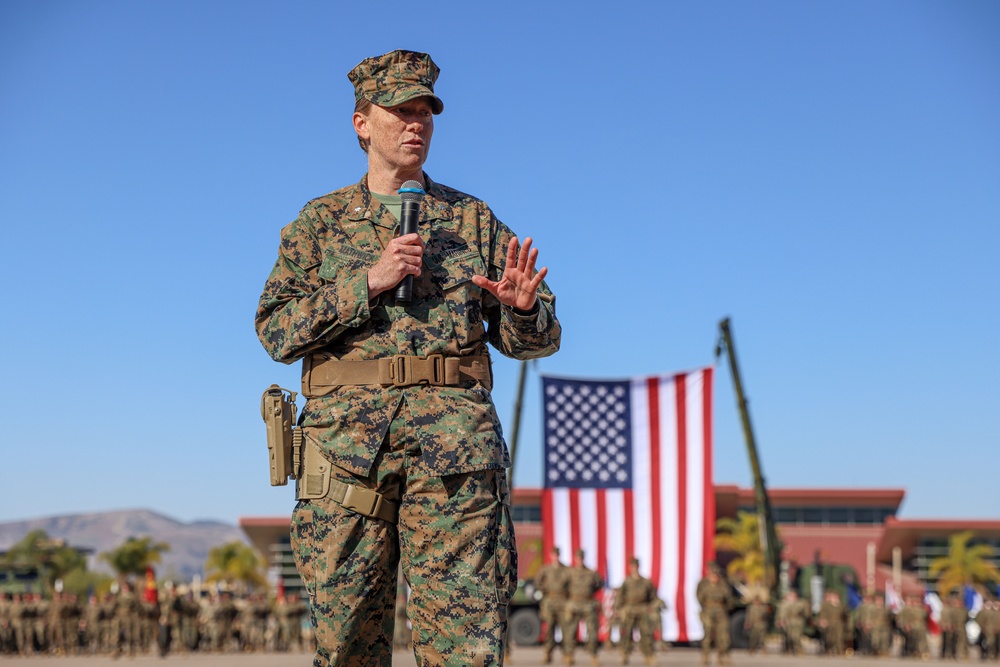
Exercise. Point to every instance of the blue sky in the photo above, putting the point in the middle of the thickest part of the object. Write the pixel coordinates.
(825, 173)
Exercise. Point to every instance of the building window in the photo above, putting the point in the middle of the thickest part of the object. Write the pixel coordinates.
(526, 514)
(812, 515)
(786, 515)
(839, 515)
(864, 516)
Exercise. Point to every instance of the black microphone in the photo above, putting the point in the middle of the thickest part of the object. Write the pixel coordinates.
(411, 193)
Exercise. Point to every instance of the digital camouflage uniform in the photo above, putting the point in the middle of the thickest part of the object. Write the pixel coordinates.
(912, 622)
(582, 584)
(988, 620)
(756, 623)
(715, 598)
(552, 581)
(6, 629)
(881, 628)
(954, 616)
(633, 601)
(791, 618)
(435, 452)
(831, 621)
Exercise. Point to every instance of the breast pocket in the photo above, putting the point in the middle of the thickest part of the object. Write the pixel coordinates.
(338, 261)
(453, 277)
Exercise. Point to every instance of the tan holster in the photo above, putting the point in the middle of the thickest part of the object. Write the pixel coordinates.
(322, 373)
(316, 481)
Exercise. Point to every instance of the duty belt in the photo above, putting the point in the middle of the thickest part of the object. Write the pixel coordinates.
(321, 375)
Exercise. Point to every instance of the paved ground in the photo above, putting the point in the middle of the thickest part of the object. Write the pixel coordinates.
(679, 657)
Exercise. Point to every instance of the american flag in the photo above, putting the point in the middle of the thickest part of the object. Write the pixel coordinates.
(628, 472)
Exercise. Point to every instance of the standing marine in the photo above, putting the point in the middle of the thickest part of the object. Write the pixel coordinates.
(582, 585)
(552, 581)
(758, 616)
(633, 601)
(403, 455)
(954, 616)
(716, 599)
(831, 621)
(791, 618)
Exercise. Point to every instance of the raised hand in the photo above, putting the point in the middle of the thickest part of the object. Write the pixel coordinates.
(519, 283)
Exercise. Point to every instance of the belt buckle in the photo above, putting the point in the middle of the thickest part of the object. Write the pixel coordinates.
(437, 370)
(401, 370)
(402, 374)
(361, 500)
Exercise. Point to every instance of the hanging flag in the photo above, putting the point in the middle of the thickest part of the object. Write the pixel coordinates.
(973, 600)
(892, 599)
(628, 472)
(150, 595)
(933, 606)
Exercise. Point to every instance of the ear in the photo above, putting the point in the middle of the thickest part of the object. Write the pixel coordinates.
(361, 126)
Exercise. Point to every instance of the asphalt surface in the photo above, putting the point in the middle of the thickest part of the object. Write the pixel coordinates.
(521, 657)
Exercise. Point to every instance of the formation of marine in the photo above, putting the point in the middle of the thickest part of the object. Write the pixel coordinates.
(871, 628)
(125, 623)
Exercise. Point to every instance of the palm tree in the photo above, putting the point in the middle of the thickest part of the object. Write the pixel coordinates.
(964, 564)
(235, 563)
(134, 556)
(51, 558)
(742, 537)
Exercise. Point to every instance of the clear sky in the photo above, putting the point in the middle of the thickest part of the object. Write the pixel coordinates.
(825, 173)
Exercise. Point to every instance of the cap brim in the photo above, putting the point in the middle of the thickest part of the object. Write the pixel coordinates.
(402, 94)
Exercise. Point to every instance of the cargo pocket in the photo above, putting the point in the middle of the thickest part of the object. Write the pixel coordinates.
(506, 547)
(304, 551)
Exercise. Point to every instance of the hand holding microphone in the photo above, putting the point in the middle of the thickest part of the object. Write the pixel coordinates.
(402, 257)
(411, 193)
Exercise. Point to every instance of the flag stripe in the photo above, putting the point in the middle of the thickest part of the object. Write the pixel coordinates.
(708, 495)
(682, 470)
(653, 392)
(602, 531)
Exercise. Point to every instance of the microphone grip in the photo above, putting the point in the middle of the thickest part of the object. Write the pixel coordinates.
(407, 225)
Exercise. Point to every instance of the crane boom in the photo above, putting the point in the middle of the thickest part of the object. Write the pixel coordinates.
(770, 543)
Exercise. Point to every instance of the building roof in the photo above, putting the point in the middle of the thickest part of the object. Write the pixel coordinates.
(264, 531)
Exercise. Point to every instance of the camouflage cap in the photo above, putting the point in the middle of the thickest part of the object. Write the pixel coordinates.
(396, 77)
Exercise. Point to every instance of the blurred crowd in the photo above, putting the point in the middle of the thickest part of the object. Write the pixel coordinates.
(874, 628)
(178, 620)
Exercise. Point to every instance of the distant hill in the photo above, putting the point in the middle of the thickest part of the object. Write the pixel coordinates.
(103, 531)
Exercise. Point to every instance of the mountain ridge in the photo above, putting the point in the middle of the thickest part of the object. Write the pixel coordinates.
(99, 532)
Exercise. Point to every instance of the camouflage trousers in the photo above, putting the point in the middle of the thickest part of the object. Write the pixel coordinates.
(456, 540)
(551, 612)
(636, 620)
(575, 612)
(715, 620)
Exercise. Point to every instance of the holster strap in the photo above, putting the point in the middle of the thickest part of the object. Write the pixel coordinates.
(363, 501)
(321, 375)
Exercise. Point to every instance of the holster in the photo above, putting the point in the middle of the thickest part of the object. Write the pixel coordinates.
(316, 481)
(277, 408)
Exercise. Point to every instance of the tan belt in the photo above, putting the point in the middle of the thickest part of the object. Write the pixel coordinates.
(321, 376)
(363, 501)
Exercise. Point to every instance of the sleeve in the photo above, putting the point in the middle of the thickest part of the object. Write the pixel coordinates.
(530, 335)
(309, 299)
